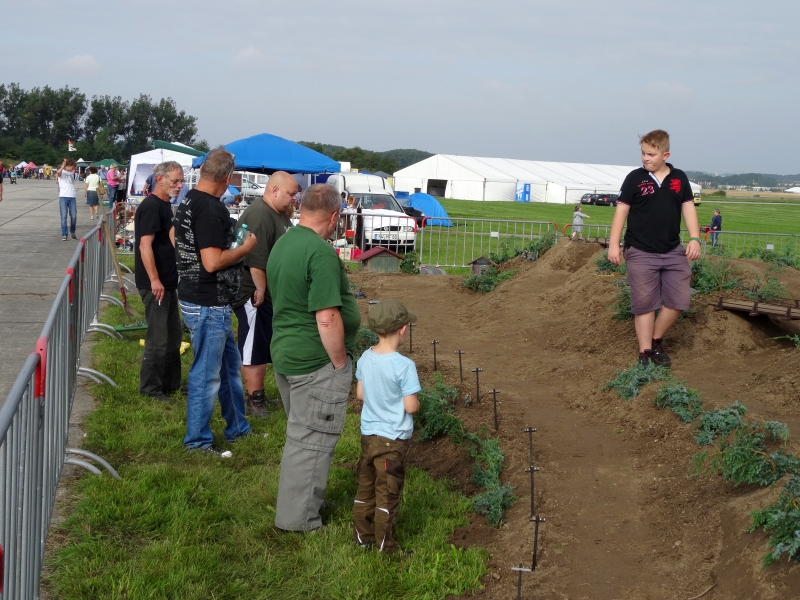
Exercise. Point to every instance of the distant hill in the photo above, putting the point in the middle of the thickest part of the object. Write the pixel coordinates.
(748, 179)
(388, 161)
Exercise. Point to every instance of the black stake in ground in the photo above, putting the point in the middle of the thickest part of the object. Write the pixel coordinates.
(530, 431)
(537, 519)
(460, 370)
(494, 395)
(434, 342)
(520, 570)
(411, 337)
(532, 470)
(477, 371)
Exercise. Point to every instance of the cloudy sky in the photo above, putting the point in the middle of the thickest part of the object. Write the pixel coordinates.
(561, 80)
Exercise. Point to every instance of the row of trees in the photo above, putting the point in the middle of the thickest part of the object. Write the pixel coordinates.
(388, 162)
(36, 124)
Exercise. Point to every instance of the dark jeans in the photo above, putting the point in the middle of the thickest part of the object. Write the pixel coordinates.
(161, 363)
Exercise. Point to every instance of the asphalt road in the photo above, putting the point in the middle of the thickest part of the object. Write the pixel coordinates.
(33, 262)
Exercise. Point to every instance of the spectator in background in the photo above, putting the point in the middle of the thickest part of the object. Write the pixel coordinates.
(577, 222)
(149, 184)
(102, 172)
(716, 227)
(209, 276)
(66, 197)
(92, 199)
(157, 282)
(122, 190)
(313, 337)
(112, 177)
(2, 174)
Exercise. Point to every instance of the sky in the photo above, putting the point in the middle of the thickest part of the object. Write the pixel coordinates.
(570, 81)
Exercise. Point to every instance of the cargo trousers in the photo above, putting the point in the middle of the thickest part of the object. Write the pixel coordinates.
(316, 405)
(380, 476)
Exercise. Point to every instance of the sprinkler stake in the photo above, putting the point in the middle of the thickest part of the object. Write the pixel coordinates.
(460, 369)
(530, 431)
(537, 519)
(520, 570)
(532, 470)
(494, 395)
(477, 371)
(434, 342)
(411, 337)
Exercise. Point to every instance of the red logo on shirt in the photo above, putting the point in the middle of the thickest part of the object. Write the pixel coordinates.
(675, 185)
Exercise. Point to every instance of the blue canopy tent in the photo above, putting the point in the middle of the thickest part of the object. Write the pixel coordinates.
(268, 153)
(431, 207)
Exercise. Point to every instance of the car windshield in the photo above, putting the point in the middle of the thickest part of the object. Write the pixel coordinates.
(377, 201)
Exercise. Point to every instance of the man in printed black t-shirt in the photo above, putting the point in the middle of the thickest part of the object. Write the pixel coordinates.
(652, 201)
(210, 272)
(157, 282)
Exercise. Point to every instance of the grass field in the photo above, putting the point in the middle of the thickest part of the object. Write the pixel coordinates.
(188, 525)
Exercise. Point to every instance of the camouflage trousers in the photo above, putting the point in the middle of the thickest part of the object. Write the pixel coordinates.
(381, 474)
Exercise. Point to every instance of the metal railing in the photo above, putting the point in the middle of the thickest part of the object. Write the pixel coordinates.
(34, 421)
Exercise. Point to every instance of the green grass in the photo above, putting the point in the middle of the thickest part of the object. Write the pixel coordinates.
(188, 525)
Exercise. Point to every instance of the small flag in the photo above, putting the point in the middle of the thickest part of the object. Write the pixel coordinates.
(70, 146)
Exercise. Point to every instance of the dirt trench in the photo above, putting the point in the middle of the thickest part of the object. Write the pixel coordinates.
(624, 518)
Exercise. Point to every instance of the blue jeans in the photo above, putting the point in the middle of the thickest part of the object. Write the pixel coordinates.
(68, 204)
(714, 236)
(216, 370)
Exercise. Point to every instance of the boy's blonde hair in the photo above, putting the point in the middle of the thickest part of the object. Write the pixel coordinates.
(658, 138)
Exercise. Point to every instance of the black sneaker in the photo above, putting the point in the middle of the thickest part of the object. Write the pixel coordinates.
(646, 357)
(659, 357)
(250, 433)
(73, 236)
(161, 397)
(214, 450)
(255, 405)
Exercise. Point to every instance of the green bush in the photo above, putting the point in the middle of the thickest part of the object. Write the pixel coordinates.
(622, 306)
(365, 339)
(409, 264)
(486, 281)
(718, 194)
(606, 267)
(782, 519)
(493, 503)
(794, 338)
(787, 258)
(769, 289)
(537, 247)
(629, 382)
(435, 415)
(714, 275)
(681, 400)
(719, 422)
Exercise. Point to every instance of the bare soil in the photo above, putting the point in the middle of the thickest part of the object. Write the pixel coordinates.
(624, 517)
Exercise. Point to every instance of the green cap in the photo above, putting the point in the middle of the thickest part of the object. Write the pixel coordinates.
(389, 316)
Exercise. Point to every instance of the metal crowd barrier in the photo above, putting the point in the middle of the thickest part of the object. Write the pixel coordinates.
(34, 421)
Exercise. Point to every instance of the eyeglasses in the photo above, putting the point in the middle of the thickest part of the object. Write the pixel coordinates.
(176, 181)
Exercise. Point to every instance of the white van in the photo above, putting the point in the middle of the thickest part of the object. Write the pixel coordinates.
(384, 222)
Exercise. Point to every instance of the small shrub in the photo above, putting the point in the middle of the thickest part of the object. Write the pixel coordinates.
(714, 275)
(768, 290)
(504, 253)
(493, 503)
(718, 250)
(745, 459)
(435, 415)
(606, 267)
(719, 422)
(681, 400)
(782, 519)
(486, 281)
(409, 264)
(794, 338)
(543, 243)
(628, 383)
(622, 307)
(488, 463)
(787, 258)
(365, 339)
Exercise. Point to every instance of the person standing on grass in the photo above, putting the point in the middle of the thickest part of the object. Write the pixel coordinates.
(313, 337)
(92, 199)
(388, 385)
(253, 306)
(66, 197)
(577, 222)
(652, 201)
(157, 282)
(716, 227)
(209, 274)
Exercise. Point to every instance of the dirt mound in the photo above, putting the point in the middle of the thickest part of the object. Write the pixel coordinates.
(614, 485)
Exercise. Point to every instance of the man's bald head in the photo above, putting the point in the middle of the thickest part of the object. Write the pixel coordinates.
(280, 191)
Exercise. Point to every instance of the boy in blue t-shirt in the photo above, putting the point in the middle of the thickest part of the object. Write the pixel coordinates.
(388, 385)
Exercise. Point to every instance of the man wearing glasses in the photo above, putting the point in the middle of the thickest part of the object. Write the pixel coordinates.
(267, 220)
(157, 282)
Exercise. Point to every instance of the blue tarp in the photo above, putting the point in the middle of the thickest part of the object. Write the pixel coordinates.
(269, 153)
(431, 207)
(228, 196)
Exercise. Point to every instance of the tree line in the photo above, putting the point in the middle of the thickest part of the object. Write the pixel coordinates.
(744, 179)
(388, 161)
(36, 124)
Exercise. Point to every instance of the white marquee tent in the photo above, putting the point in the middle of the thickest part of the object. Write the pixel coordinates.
(141, 165)
(794, 190)
(478, 178)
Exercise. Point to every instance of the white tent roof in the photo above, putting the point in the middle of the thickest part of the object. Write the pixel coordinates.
(141, 165)
(481, 178)
(794, 190)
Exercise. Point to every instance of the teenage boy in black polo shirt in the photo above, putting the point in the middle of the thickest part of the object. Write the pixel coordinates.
(652, 201)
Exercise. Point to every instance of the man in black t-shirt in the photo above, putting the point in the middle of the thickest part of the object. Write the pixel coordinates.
(652, 200)
(157, 281)
(210, 272)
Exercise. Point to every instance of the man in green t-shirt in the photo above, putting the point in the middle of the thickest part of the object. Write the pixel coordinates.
(313, 338)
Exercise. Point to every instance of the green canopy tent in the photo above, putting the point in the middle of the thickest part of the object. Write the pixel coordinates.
(107, 162)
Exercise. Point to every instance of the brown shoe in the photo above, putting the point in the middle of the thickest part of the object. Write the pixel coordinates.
(255, 405)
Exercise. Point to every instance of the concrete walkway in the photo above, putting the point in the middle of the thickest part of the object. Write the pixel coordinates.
(33, 262)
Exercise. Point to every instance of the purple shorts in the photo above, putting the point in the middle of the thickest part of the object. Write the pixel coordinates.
(657, 279)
